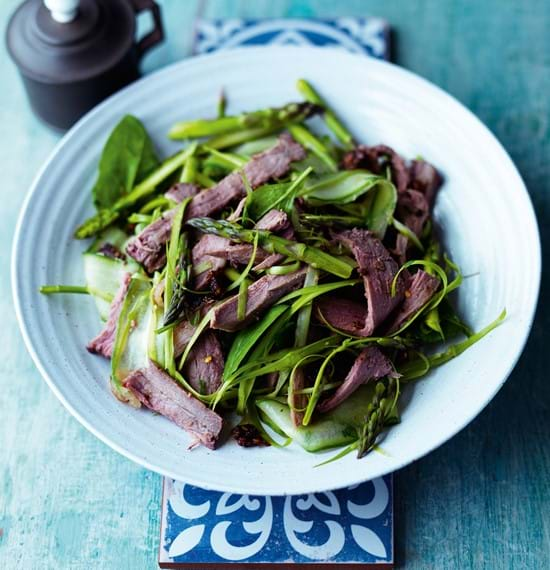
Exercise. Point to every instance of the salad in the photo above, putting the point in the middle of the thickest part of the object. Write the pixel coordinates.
(273, 274)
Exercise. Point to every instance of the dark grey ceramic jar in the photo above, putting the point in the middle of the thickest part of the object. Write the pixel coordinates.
(72, 54)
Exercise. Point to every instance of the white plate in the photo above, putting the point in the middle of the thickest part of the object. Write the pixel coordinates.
(484, 210)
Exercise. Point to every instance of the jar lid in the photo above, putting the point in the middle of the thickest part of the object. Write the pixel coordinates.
(50, 51)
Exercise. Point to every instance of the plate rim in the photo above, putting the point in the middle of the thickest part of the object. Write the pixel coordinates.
(239, 52)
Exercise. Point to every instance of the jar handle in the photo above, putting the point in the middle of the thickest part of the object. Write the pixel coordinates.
(157, 34)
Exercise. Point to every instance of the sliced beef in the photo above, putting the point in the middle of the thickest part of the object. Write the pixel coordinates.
(412, 210)
(185, 330)
(248, 435)
(425, 178)
(377, 159)
(271, 379)
(421, 289)
(371, 364)
(269, 261)
(240, 253)
(235, 253)
(206, 266)
(180, 191)
(343, 314)
(274, 221)
(378, 269)
(149, 246)
(104, 342)
(159, 392)
(203, 368)
(112, 251)
(261, 295)
(182, 335)
(272, 163)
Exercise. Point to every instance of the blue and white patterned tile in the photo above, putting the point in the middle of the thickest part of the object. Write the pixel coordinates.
(369, 36)
(352, 525)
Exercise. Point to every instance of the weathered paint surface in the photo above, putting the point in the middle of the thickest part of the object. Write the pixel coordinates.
(481, 501)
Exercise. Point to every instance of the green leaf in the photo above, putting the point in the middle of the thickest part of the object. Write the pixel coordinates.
(340, 187)
(382, 207)
(127, 158)
(261, 200)
(281, 197)
(106, 216)
(149, 159)
(245, 339)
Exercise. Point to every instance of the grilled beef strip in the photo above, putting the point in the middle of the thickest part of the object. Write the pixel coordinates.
(182, 335)
(371, 364)
(184, 330)
(203, 368)
(148, 248)
(412, 210)
(240, 253)
(180, 191)
(159, 392)
(377, 159)
(274, 221)
(378, 269)
(343, 314)
(425, 178)
(272, 163)
(261, 295)
(104, 342)
(248, 435)
(111, 251)
(205, 265)
(420, 290)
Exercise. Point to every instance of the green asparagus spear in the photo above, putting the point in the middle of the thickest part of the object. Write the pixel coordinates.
(222, 104)
(264, 118)
(239, 137)
(302, 135)
(274, 244)
(189, 171)
(106, 217)
(331, 120)
(49, 289)
(383, 403)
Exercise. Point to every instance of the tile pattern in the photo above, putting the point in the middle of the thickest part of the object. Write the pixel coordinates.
(346, 526)
(368, 36)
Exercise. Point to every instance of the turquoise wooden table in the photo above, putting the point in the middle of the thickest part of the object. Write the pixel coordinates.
(480, 501)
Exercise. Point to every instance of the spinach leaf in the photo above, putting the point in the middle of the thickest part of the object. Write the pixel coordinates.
(127, 158)
(340, 187)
